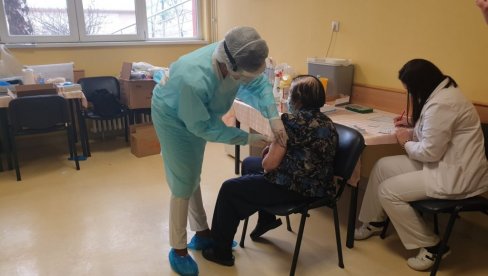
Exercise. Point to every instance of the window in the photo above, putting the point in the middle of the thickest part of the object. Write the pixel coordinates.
(36, 21)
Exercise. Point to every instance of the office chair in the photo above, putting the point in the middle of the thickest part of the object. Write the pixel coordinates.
(349, 149)
(93, 85)
(448, 206)
(39, 114)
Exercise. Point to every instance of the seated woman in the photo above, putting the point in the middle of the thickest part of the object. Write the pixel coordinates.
(445, 158)
(293, 173)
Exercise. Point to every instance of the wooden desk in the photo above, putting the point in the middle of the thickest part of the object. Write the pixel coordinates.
(377, 128)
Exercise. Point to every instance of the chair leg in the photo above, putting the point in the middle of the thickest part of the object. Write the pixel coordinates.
(126, 128)
(351, 224)
(244, 229)
(385, 228)
(288, 224)
(298, 243)
(338, 237)
(14, 155)
(443, 243)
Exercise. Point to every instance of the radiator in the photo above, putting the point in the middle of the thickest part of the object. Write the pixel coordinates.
(107, 125)
(116, 124)
(144, 118)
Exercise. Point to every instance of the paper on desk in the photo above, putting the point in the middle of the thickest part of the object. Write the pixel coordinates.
(382, 118)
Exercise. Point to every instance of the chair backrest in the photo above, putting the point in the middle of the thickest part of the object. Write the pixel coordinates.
(484, 128)
(90, 85)
(35, 113)
(349, 149)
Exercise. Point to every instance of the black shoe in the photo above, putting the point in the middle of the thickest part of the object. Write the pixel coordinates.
(209, 254)
(261, 229)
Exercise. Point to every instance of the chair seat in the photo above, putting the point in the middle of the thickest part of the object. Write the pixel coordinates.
(447, 205)
(287, 208)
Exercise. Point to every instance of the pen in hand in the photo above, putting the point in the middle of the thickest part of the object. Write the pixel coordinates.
(398, 120)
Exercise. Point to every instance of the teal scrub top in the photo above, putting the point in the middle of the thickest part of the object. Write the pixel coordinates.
(187, 112)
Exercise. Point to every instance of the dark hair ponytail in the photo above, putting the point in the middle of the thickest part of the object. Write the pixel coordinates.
(421, 77)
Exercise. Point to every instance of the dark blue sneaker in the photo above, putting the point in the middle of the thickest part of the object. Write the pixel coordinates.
(183, 265)
(200, 243)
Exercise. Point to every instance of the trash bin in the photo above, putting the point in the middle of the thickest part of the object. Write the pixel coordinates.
(339, 72)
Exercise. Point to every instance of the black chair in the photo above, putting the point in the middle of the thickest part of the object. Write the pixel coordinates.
(92, 86)
(1, 153)
(446, 206)
(349, 149)
(39, 114)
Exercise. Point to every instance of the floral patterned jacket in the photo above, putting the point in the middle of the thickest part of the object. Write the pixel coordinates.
(307, 167)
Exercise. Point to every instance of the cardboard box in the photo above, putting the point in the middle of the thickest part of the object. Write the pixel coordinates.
(34, 90)
(134, 93)
(143, 140)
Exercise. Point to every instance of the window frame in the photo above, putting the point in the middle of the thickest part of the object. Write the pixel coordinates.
(77, 29)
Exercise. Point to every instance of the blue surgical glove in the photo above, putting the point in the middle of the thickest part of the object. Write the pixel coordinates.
(279, 131)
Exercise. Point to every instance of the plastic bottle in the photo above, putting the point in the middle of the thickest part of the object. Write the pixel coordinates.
(39, 79)
(28, 76)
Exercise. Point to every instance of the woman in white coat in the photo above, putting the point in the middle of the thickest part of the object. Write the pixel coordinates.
(445, 158)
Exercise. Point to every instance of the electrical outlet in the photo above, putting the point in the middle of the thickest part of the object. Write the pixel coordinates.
(335, 26)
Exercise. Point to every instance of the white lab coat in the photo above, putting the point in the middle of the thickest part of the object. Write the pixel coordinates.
(449, 142)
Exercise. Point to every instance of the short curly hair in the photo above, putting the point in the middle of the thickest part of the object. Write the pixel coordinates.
(308, 90)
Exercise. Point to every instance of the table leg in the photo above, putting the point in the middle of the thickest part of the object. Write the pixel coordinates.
(82, 129)
(4, 137)
(237, 153)
(72, 113)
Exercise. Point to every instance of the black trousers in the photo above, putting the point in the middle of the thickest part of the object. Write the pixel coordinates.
(238, 199)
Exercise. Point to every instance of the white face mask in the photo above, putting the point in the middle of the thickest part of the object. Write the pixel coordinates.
(246, 77)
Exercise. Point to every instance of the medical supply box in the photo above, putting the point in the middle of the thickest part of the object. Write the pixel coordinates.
(143, 140)
(135, 94)
(339, 74)
(34, 90)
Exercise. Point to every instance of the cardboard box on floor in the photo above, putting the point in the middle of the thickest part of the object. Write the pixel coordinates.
(134, 93)
(143, 140)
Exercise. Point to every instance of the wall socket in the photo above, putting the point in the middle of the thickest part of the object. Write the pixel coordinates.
(335, 25)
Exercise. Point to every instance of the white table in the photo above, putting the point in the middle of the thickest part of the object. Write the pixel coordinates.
(377, 128)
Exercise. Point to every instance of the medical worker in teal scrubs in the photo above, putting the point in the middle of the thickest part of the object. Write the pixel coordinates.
(186, 112)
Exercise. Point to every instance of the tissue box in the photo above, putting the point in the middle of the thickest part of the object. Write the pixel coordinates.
(143, 140)
(134, 93)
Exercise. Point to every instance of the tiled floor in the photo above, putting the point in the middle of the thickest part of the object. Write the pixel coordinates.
(111, 218)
